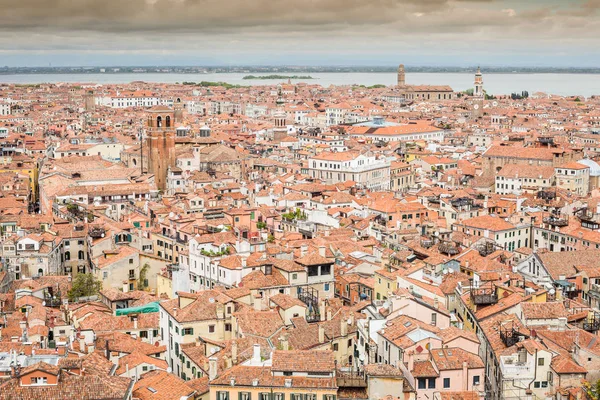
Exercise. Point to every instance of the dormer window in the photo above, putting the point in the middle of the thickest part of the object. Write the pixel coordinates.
(39, 380)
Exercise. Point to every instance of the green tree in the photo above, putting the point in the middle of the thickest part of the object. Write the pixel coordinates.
(592, 390)
(84, 285)
(142, 282)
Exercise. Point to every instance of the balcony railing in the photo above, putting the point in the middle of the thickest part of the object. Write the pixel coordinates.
(484, 296)
(556, 221)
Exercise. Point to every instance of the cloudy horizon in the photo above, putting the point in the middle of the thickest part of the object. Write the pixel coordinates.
(301, 32)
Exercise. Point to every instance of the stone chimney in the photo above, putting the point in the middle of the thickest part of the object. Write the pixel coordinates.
(465, 376)
(285, 344)
(411, 361)
(256, 354)
(343, 327)
(220, 311)
(436, 303)
(321, 334)
(125, 287)
(61, 350)
(212, 368)
(329, 314)
(322, 251)
(322, 309)
(303, 250)
(234, 350)
(135, 322)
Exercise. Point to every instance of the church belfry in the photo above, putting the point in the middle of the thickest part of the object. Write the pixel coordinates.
(401, 75)
(160, 142)
(478, 91)
(478, 95)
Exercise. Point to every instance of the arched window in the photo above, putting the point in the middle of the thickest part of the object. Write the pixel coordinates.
(168, 121)
(81, 255)
(40, 272)
(159, 121)
(67, 255)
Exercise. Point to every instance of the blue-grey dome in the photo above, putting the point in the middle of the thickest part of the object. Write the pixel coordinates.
(594, 167)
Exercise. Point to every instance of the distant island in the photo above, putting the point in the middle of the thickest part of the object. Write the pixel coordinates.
(272, 72)
(278, 77)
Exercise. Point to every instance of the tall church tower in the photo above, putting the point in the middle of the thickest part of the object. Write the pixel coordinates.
(478, 92)
(478, 95)
(401, 75)
(160, 142)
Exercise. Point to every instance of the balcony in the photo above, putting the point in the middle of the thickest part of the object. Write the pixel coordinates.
(592, 322)
(510, 336)
(310, 297)
(97, 232)
(554, 220)
(484, 296)
(448, 248)
(512, 367)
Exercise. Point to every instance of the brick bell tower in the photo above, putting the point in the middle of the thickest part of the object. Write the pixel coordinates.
(160, 142)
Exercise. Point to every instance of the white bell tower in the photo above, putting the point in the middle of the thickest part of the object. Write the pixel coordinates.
(478, 92)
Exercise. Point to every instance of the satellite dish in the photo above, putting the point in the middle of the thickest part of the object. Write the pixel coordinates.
(169, 370)
(495, 104)
(211, 300)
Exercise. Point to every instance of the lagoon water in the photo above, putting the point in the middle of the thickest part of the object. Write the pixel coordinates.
(560, 84)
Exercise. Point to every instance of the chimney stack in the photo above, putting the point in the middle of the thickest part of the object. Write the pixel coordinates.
(285, 345)
(135, 323)
(322, 309)
(321, 334)
(303, 250)
(212, 368)
(256, 359)
(322, 251)
(234, 350)
(343, 327)
(436, 303)
(465, 374)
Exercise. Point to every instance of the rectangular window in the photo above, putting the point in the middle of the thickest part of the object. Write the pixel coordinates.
(187, 331)
(421, 383)
(211, 329)
(222, 395)
(540, 362)
(431, 383)
(476, 380)
(446, 383)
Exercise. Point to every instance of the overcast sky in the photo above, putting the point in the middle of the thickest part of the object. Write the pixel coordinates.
(300, 32)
